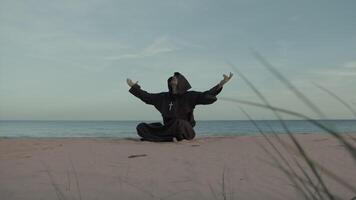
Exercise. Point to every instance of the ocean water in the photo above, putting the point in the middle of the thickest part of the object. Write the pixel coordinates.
(122, 129)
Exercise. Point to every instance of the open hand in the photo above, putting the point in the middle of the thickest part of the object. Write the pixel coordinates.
(226, 78)
(130, 82)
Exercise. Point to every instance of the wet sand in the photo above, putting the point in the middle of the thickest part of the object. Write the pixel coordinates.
(206, 168)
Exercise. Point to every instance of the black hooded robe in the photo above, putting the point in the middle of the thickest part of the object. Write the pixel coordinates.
(176, 110)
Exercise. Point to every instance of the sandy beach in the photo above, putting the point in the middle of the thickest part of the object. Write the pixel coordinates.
(206, 168)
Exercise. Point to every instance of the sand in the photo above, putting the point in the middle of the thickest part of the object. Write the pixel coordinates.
(205, 168)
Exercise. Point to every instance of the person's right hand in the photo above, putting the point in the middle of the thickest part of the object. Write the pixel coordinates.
(130, 82)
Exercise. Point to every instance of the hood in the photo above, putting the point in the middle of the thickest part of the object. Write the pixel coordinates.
(183, 84)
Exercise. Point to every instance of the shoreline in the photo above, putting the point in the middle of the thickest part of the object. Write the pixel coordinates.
(134, 138)
(111, 168)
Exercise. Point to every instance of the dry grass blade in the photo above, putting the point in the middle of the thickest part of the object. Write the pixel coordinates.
(326, 172)
(291, 178)
(76, 178)
(335, 177)
(296, 143)
(351, 149)
(223, 185)
(298, 177)
(348, 106)
(141, 189)
(213, 192)
(59, 193)
(286, 82)
(309, 180)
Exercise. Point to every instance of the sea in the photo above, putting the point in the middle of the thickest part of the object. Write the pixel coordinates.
(127, 129)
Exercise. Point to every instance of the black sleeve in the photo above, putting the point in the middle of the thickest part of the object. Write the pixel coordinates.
(209, 96)
(146, 97)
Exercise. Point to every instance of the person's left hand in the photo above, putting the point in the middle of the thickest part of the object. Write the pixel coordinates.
(130, 82)
(226, 79)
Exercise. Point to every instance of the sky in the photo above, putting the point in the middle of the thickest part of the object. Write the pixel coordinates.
(69, 59)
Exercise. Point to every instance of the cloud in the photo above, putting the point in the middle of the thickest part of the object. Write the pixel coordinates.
(343, 71)
(338, 72)
(351, 64)
(158, 46)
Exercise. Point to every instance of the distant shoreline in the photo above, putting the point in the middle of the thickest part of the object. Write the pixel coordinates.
(158, 120)
(123, 129)
(133, 138)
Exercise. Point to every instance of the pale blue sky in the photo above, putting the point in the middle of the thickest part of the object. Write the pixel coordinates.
(70, 59)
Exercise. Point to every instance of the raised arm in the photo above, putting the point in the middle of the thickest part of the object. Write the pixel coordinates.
(209, 96)
(146, 97)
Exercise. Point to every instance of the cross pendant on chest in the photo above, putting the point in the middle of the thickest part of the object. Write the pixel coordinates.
(170, 105)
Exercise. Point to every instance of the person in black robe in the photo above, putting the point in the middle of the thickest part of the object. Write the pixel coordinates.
(176, 107)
